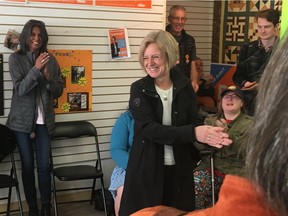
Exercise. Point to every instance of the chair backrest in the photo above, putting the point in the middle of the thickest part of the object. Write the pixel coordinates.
(77, 129)
(8, 141)
(73, 129)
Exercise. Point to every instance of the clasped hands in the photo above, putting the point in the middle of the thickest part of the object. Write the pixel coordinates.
(41, 63)
(213, 136)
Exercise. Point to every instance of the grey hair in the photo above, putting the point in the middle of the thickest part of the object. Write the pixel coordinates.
(176, 7)
(267, 158)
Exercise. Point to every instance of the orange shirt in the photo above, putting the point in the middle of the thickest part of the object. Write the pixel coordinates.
(238, 197)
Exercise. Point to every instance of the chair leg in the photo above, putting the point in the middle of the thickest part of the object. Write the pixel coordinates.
(93, 189)
(104, 197)
(19, 201)
(9, 200)
(14, 173)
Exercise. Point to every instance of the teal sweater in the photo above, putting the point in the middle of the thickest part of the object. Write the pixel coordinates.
(121, 139)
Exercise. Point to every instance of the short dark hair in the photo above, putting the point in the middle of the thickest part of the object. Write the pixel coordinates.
(270, 15)
(26, 33)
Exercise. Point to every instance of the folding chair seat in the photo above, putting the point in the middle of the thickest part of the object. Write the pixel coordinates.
(8, 181)
(69, 131)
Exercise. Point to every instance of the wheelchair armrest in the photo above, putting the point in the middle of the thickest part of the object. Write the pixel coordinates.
(211, 152)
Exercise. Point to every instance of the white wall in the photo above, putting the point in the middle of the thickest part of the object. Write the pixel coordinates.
(85, 28)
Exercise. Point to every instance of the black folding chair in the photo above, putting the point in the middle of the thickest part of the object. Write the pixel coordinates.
(70, 131)
(8, 181)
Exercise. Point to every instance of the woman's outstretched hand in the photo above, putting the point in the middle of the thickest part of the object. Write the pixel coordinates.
(213, 136)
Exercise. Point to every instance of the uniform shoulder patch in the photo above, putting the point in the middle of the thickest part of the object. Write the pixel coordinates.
(136, 102)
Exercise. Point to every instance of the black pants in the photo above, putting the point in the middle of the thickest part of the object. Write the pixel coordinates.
(249, 100)
(169, 185)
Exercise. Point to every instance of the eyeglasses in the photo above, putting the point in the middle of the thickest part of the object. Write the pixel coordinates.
(178, 18)
(33, 21)
(231, 97)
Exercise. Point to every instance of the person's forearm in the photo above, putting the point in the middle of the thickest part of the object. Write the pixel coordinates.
(193, 72)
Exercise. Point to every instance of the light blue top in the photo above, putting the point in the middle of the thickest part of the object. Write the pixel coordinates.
(121, 139)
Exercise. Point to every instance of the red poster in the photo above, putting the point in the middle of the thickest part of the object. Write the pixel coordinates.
(82, 2)
(127, 4)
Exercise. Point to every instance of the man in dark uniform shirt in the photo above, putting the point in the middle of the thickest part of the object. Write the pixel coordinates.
(187, 48)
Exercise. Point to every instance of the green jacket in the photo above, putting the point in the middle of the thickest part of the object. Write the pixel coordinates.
(230, 159)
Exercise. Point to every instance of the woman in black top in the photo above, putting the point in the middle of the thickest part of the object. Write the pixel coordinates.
(162, 157)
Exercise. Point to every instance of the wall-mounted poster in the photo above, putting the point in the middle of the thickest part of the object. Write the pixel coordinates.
(127, 4)
(76, 70)
(82, 2)
(16, 1)
(223, 74)
(119, 43)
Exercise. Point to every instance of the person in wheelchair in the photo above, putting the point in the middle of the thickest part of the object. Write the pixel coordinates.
(228, 159)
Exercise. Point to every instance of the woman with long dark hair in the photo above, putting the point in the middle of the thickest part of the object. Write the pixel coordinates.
(37, 82)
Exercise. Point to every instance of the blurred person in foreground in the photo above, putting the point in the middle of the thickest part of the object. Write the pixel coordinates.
(162, 156)
(265, 192)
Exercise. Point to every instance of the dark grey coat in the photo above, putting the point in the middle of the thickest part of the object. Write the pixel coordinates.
(29, 86)
(145, 172)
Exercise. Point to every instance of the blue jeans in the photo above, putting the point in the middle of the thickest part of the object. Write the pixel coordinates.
(42, 151)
